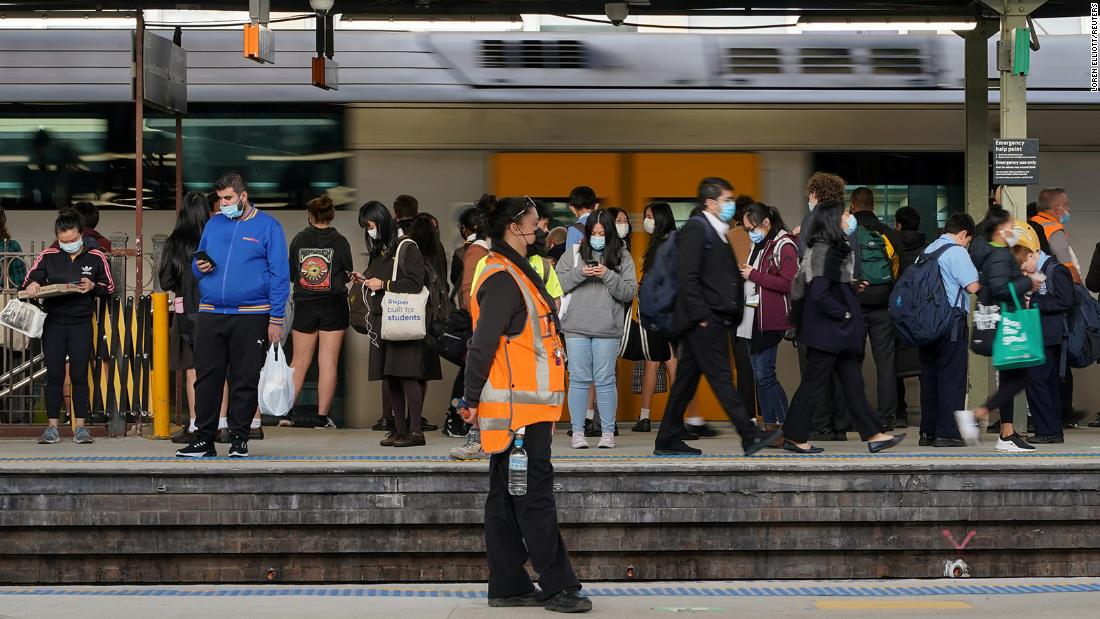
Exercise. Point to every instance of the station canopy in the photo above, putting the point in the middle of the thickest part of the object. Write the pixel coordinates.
(932, 9)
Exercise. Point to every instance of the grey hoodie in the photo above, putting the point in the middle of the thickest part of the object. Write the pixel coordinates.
(597, 305)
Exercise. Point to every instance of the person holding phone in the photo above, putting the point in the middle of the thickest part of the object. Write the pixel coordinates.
(67, 333)
(599, 277)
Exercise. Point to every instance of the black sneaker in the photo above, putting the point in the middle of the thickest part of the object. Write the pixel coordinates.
(761, 440)
(198, 449)
(384, 424)
(256, 434)
(643, 425)
(1046, 439)
(569, 601)
(454, 427)
(704, 431)
(239, 449)
(222, 436)
(676, 448)
(324, 422)
(530, 600)
(926, 440)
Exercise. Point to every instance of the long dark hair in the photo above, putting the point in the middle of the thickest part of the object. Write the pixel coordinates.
(630, 229)
(175, 259)
(994, 218)
(4, 234)
(824, 226)
(612, 251)
(664, 223)
(500, 213)
(424, 233)
(375, 211)
(757, 212)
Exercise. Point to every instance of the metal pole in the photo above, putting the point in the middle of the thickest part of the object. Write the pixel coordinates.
(177, 39)
(139, 145)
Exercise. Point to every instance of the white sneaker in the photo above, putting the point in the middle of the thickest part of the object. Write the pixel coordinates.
(579, 442)
(607, 441)
(968, 427)
(1013, 444)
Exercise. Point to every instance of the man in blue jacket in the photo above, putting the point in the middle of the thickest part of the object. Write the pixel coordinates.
(244, 282)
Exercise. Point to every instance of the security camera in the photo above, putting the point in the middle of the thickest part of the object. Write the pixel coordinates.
(617, 12)
(321, 6)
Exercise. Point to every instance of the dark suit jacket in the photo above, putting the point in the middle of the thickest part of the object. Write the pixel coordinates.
(1092, 281)
(710, 286)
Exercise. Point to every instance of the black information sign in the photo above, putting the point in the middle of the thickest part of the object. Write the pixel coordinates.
(1015, 162)
(165, 74)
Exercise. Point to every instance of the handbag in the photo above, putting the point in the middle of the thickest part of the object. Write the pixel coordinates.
(26, 318)
(640, 344)
(1019, 341)
(404, 314)
(986, 319)
(358, 310)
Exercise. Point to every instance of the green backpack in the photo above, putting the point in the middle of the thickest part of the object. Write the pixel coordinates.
(876, 267)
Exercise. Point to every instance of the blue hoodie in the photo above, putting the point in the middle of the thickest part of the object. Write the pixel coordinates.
(251, 276)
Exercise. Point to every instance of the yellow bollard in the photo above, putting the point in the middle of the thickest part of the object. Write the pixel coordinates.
(159, 374)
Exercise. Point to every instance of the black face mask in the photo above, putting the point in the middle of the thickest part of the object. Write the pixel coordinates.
(538, 248)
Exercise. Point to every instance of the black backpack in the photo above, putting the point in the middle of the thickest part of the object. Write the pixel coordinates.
(919, 306)
(439, 302)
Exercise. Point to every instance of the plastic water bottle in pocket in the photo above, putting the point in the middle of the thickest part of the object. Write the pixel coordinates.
(517, 469)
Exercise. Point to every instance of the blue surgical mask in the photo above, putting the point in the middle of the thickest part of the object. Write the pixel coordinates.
(756, 236)
(1064, 219)
(726, 214)
(809, 205)
(597, 242)
(852, 224)
(72, 248)
(231, 211)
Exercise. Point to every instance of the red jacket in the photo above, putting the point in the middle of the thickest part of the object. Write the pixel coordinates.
(773, 272)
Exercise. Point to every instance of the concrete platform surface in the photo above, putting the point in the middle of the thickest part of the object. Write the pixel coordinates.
(301, 448)
(1062, 598)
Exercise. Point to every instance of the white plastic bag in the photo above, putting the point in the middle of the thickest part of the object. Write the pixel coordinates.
(276, 384)
(26, 318)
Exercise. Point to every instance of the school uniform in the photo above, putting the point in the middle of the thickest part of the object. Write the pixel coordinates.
(1053, 299)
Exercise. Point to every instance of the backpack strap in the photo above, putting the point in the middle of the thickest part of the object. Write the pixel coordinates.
(545, 270)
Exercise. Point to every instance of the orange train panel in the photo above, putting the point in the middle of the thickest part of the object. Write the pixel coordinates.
(555, 174)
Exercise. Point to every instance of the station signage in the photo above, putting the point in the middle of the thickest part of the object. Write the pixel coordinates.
(1015, 162)
(165, 79)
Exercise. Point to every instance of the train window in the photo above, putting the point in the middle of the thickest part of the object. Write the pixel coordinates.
(826, 60)
(753, 60)
(897, 61)
(47, 162)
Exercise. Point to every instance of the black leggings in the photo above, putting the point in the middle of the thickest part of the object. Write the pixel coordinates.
(406, 397)
(75, 341)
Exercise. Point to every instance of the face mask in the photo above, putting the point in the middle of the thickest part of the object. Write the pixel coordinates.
(726, 214)
(852, 223)
(810, 205)
(373, 234)
(72, 248)
(231, 211)
(623, 230)
(756, 236)
(648, 225)
(597, 242)
(1064, 219)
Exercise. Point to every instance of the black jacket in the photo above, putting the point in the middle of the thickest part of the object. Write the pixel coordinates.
(878, 295)
(997, 270)
(710, 285)
(54, 266)
(320, 260)
(1092, 281)
(1053, 299)
(912, 244)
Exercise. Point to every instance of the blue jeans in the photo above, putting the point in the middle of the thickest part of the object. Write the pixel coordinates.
(592, 361)
(770, 394)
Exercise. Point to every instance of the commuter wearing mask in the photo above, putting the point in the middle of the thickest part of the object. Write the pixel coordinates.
(599, 275)
(831, 330)
(742, 247)
(906, 358)
(582, 201)
(399, 365)
(320, 263)
(1051, 292)
(67, 333)
(622, 225)
(769, 273)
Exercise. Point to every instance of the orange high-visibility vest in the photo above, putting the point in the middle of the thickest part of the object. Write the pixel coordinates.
(526, 382)
(1051, 225)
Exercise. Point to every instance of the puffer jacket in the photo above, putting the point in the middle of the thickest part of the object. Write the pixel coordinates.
(997, 270)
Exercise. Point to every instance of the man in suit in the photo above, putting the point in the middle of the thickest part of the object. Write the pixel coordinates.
(708, 306)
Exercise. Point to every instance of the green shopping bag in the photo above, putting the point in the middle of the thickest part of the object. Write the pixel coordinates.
(1019, 340)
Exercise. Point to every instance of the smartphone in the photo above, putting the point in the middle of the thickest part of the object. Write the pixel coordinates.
(205, 257)
(591, 263)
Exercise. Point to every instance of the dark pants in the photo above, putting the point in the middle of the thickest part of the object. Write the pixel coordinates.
(703, 350)
(58, 341)
(821, 367)
(881, 333)
(1044, 394)
(746, 382)
(1009, 384)
(943, 382)
(1066, 393)
(233, 346)
(518, 528)
(830, 415)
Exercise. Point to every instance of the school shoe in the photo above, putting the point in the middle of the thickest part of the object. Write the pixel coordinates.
(470, 450)
(184, 436)
(676, 448)
(760, 440)
(412, 439)
(239, 448)
(643, 425)
(877, 446)
(926, 440)
(385, 424)
(793, 447)
(1046, 439)
(969, 430)
(324, 422)
(199, 449)
(256, 434)
(426, 426)
(578, 442)
(1013, 444)
(50, 436)
(949, 442)
(526, 600)
(568, 601)
(223, 436)
(83, 436)
(704, 431)
(607, 441)
(391, 438)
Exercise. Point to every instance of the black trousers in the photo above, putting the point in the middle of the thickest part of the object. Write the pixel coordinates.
(830, 414)
(703, 350)
(230, 346)
(1044, 398)
(746, 380)
(883, 338)
(75, 341)
(821, 367)
(1066, 393)
(518, 528)
(943, 382)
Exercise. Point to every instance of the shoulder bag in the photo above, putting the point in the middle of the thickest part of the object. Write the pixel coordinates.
(404, 314)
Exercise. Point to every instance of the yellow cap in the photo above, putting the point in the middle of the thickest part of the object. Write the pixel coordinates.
(1025, 235)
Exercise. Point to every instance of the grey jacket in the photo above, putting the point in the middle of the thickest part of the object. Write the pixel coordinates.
(596, 306)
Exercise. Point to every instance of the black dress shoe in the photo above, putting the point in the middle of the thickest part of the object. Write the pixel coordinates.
(877, 446)
(1046, 439)
(925, 440)
(568, 601)
(427, 427)
(222, 436)
(517, 601)
(256, 434)
(676, 448)
(704, 430)
(688, 435)
(791, 446)
(643, 425)
(949, 442)
(183, 436)
(901, 422)
(385, 424)
(760, 441)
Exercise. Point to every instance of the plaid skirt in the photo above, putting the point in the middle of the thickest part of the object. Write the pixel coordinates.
(639, 372)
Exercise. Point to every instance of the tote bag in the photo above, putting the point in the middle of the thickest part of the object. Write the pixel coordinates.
(1019, 341)
(404, 314)
(640, 344)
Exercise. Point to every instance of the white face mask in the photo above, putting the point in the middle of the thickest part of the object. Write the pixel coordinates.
(623, 230)
(648, 225)
(373, 233)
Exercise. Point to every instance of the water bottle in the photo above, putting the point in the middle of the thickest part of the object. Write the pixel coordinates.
(517, 469)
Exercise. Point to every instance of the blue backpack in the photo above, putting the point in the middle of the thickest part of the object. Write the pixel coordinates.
(919, 307)
(657, 294)
(1083, 329)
